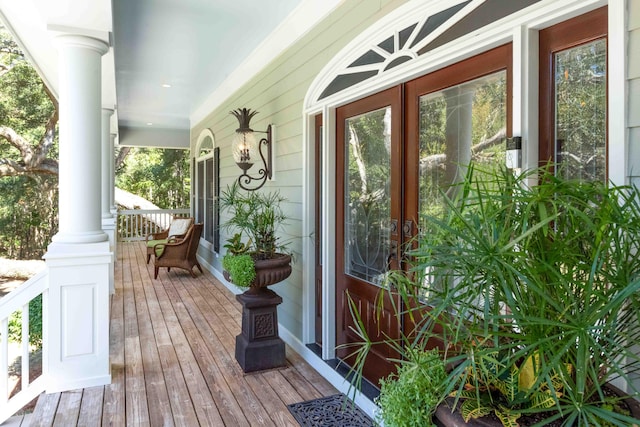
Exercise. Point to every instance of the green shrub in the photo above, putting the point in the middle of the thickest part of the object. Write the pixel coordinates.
(410, 397)
(241, 269)
(35, 323)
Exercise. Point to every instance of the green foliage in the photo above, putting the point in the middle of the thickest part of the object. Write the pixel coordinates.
(28, 203)
(506, 390)
(28, 215)
(409, 398)
(235, 245)
(241, 269)
(547, 271)
(25, 105)
(512, 273)
(159, 175)
(35, 323)
(259, 216)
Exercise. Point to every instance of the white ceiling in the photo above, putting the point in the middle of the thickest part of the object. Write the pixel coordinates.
(192, 45)
(203, 49)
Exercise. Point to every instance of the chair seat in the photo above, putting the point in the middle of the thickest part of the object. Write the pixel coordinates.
(152, 243)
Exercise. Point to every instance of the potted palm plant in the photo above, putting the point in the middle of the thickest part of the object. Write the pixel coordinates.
(534, 294)
(255, 263)
(259, 217)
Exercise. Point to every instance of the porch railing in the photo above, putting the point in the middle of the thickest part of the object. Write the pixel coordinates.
(135, 224)
(22, 370)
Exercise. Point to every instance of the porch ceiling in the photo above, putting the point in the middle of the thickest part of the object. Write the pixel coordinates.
(203, 49)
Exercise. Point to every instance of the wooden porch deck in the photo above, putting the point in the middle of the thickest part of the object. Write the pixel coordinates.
(172, 360)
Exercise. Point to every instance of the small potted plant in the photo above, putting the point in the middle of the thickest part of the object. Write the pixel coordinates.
(259, 217)
(254, 264)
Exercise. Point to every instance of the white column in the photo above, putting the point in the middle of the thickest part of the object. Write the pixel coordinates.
(112, 198)
(106, 161)
(108, 220)
(112, 175)
(78, 259)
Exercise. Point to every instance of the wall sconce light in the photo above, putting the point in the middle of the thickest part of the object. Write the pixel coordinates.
(246, 150)
(514, 152)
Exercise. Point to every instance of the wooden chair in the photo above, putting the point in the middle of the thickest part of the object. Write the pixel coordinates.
(176, 231)
(180, 254)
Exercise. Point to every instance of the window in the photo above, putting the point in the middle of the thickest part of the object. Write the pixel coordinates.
(207, 188)
(573, 96)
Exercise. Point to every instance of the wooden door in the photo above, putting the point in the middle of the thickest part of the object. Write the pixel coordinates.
(368, 214)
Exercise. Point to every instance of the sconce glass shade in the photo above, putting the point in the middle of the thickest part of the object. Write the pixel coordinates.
(245, 150)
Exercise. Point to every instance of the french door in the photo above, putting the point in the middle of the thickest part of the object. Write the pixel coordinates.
(396, 151)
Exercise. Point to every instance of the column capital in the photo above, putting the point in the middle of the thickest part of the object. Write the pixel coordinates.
(81, 41)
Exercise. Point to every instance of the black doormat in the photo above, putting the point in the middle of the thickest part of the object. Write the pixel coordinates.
(330, 411)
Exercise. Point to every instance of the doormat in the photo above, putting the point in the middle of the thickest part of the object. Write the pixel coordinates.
(330, 411)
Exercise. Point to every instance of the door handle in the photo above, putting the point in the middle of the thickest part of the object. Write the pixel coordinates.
(393, 254)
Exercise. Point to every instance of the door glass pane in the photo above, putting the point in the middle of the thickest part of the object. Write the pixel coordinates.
(459, 125)
(367, 198)
(581, 117)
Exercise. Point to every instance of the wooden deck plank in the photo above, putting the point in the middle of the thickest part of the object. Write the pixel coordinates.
(203, 402)
(68, 408)
(136, 394)
(183, 413)
(113, 411)
(221, 375)
(270, 400)
(45, 410)
(172, 360)
(157, 397)
(91, 406)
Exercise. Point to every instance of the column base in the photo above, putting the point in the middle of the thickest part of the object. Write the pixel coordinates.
(259, 355)
(109, 227)
(259, 347)
(78, 317)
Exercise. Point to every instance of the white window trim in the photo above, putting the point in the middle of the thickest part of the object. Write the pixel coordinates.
(202, 137)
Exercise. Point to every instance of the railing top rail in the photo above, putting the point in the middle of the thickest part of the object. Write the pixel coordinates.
(153, 211)
(23, 294)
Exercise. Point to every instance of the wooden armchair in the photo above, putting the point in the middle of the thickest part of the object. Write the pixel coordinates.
(181, 254)
(177, 230)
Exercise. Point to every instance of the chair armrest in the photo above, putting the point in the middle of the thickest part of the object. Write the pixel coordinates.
(157, 236)
(170, 248)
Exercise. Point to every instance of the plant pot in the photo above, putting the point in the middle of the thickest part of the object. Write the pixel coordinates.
(444, 417)
(268, 272)
(259, 347)
(271, 271)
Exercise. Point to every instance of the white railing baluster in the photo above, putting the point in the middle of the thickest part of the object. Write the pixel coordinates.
(45, 332)
(4, 359)
(25, 347)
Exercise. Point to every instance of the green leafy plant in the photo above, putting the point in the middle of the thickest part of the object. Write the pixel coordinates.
(547, 272)
(409, 398)
(256, 215)
(508, 391)
(241, 269)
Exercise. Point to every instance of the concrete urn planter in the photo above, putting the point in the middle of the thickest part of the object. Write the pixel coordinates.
(259, 347)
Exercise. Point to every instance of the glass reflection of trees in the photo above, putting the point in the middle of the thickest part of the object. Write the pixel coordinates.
(367, 212)
(581, 120)
(459, 125)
